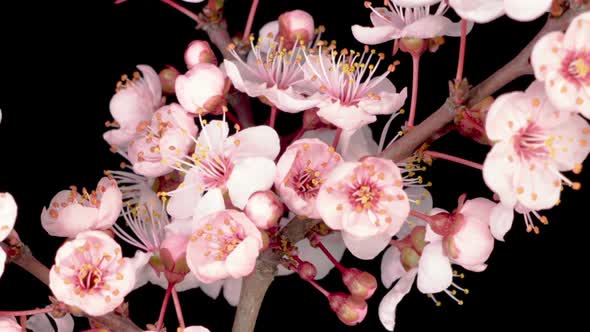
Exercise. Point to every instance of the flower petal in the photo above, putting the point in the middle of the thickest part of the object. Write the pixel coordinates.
(389, 303)
(242, 260)
(213, 289)
(391, 266)
(8, 210)
(231, 290)
(249, 176)
(434, 269)
(374, 35)
(526, 10)
(366, 247)
(501, 221)
(498, 172)
(543, 57)
(210, 203)
(480, 11)
(259, 141)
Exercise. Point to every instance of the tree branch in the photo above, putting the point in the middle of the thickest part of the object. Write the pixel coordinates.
(29, 263)
(519, 66)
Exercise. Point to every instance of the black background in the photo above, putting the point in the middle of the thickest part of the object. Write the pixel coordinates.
(60, 62)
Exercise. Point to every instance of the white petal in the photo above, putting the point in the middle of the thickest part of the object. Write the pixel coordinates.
(249, 176)
(213, 289)
(391, 300)
(211, 202)
(231, 290)
(434, 270)
(501, 220)
(391, 266)
(368, 247)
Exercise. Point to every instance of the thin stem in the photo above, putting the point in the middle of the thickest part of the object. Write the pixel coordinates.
(457, 160)
(23, 323)
(422, 216)
(330, 257)
(415, 76)
(178, 308)
(250, 20)
(462, 48)
(318, 287)
(26, 312)
(183, 10)
(337, 138)
(273, 116)
(164, 307)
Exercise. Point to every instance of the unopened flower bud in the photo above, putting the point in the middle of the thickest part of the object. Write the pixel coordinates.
(296, 25)
(307, 271)
(173, 257)
(360, 283)
(409, 258)
(202, 89)
(470, 122)
(168, 77)
(264, 208)
(199, 51)
(349, 309)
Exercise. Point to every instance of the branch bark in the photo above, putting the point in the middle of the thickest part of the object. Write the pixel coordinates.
(29, 263)
(519, 66)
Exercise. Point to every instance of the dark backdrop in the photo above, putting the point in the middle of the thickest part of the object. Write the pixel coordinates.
(60, 62)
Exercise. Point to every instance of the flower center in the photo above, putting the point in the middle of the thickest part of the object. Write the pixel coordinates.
(365, 196)
(89, 277)
(222, 239)
(307, 182)
(531, 142)
(215, 169)
(576, 67)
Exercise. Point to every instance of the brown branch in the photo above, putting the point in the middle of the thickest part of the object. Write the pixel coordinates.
(29, 263)
(519, 66)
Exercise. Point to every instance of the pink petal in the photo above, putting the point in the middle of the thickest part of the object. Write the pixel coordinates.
(501, 221)
(388, 102)
(356, 145)
(196, 328)
(507, 115)
(189, 282)
(182, 203)
(389, 303)
(152, 80)
(475, 268)
(562, 92)
(110, 207)
(231, 290)
(289, 100)
(366, 247)
(327, 202)
(577, 36)
(259, 141)
(119, 137)
(543, 57)
(474, 241)
(213, 135)
(434, 270)
(72, 220)
(414, 3)
(478, 210)
(9, 324)
(242, 78)
(374, 35)
(391, 266)
(571, 145)
(8, 210)
(212, 289)
(210, 203)
(431, 26)
(539, 188)
(269, 29)
(480, 11)
(526, 10)
(498, 172)
(242, 260)
(2, 261)
(249, 176)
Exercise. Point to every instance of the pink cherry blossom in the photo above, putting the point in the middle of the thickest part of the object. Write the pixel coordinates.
(91, 274)
(225, 242)
(199, 51)
(241, 164)
(70, 212)
(350, 96)
(202, 89)
(271, 74)
(464, 234)
(483, 11)
(296, 25)
(171, 133)
(534, 143)
(9, 324)
(135, 101)
(301, 171)
(366, 201)
(406, 19)
(562, 61)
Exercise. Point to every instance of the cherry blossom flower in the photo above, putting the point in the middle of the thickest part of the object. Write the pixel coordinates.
(483, 11)
(406, 19)
(199, 51)
(562, 61)
(170, 134)
(464, 236)
(366, 201)
(90, 273)
(241, 164)
(202, 89)
(225, 242)
(534, 143)
(70, 212)
(301, 171)
(349, 92)
(9, 324)
(135, 101)
(275, 76)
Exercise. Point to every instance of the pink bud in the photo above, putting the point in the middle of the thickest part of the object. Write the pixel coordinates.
(349, 309)
(168, 77)
(202, 89)
(173, 257)
(199, 51)
(307, 271)
(361, 284)
(296, 25)
(264, 208)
